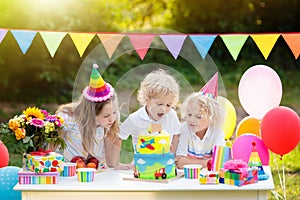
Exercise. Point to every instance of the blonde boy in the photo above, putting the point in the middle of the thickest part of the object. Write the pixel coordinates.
(158, 94)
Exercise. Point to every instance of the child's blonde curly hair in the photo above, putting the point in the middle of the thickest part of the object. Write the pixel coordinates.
(208, 107)
(158, 83)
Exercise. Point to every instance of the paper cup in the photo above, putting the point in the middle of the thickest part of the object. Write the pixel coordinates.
(86, 174)
(192, 171)
(69, 170)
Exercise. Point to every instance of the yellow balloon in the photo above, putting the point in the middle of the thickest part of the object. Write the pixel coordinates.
(230, 116)
(248, 125)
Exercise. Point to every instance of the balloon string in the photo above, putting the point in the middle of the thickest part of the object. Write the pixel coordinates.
(276, 164)
(283, 175)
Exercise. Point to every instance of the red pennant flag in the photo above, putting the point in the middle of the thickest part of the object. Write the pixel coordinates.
(141, 43)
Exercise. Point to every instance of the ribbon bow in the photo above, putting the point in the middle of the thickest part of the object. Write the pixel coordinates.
(237, 166)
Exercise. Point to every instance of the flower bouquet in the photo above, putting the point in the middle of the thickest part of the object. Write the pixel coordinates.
(32, 130)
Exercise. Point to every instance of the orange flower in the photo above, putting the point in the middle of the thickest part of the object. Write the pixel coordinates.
(20, 133)
(13, 124)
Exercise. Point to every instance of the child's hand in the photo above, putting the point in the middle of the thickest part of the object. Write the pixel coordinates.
(180, 161)
(122, 166)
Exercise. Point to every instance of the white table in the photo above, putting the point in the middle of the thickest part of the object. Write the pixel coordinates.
(110, 185)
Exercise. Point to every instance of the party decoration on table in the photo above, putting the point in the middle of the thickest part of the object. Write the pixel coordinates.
(230, 116)
(280, 130)
(86, 174)
(98, 90)
(32, 178)
(192, 171)
(255, 162)
(242, 148)
(208, 177)
(8, 180)
(236, 172)
(221, 154)
(69, 169)
(41, 161)
(4, 155)
(33, 129)
(259, 90)
(248, 125)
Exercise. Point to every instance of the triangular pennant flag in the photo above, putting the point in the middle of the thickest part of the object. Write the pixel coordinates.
(52, 40)
(141, 43)
(265, 42)
(2, 34)
(110, 42)
(293, 40)
(173, 43)
(203, 43)
(81, 41)
(234, 43)
(23, 38)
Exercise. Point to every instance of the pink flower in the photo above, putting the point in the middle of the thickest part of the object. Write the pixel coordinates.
(45, 113)
(37, 122)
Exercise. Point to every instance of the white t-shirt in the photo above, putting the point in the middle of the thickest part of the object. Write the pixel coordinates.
(140, 121)
(191, 145)
(74, 142)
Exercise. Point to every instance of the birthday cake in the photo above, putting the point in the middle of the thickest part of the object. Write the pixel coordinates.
(152, 157)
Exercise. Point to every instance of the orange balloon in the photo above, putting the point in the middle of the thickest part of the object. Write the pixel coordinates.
(248, 125)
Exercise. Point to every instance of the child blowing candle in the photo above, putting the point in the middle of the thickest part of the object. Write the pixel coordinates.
(158, 94)
(91, 125)
(202, 126)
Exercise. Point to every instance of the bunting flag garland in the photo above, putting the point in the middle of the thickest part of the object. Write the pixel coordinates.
(173, 43)
(293, 40)
(24, 38)
(234, 43)
(203, 43)
(141, 43)
(265, 42)
(2, 34)
(110, 42)
(52, 40)
(81, 41)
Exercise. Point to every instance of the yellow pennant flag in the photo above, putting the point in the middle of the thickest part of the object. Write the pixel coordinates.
(265, 42)
(81, 41)
(110, 42)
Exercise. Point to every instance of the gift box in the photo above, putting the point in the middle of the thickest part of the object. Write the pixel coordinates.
(41, 162)
(221, 154)
(239, 178)
(236, 172)
(208, 177)
(29, 177)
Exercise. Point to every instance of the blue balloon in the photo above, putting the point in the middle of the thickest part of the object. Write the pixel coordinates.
(8, 179)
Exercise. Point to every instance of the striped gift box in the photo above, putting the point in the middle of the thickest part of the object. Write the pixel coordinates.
(29, 177)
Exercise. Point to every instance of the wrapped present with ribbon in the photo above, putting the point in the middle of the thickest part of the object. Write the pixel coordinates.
(221, 154)
(237, 173)
(44, 161)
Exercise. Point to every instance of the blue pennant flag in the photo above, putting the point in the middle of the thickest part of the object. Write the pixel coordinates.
(203, 43)
(24, 38)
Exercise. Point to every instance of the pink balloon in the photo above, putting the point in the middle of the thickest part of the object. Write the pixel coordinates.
(260, 90)
(242, 148)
